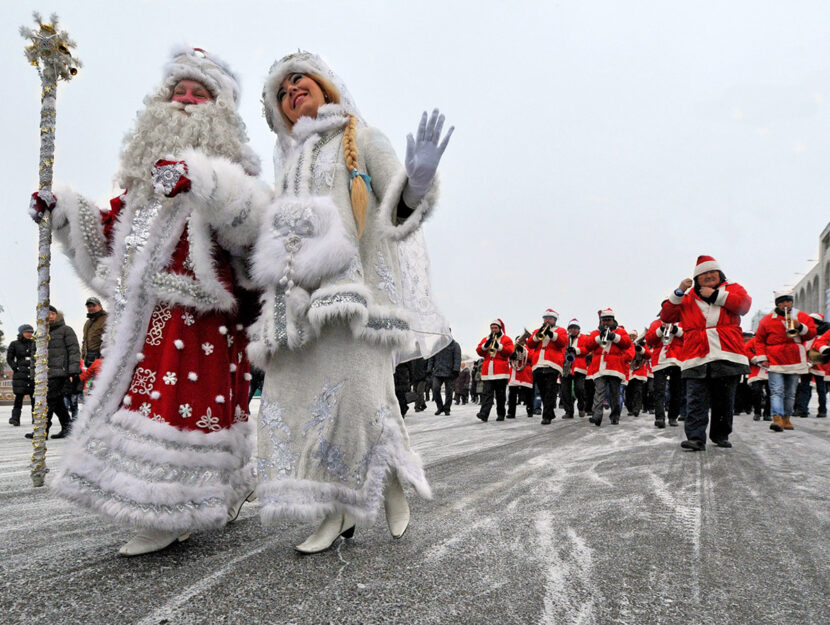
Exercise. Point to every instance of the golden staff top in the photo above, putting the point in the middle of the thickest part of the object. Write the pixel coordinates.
(49, 51)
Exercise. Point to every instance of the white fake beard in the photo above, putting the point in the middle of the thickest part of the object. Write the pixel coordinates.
(164, 129)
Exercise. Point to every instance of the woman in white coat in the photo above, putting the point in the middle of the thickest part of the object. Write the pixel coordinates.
(344, 270)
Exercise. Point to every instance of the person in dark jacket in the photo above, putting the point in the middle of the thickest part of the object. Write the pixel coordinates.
(64, 366)
(93, 331)
(444, 367)
(21, 359)
(418, 371)
(403, 382)
(462, 384)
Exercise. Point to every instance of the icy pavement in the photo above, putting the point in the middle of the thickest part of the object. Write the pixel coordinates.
(558, 524)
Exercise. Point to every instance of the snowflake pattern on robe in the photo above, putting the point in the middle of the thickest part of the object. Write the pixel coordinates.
(282, 460)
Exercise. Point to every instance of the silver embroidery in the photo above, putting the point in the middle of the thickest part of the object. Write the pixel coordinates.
(207, 348)
(208, 422)
(143, 381)
(339, 298)
(321, 406)
(387, 280)
(188, 319)
(387, 323)
(282, 460)
(170, 378)
(185, 411)
(158, 320)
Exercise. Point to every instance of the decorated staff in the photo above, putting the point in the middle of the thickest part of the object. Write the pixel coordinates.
(49, 52)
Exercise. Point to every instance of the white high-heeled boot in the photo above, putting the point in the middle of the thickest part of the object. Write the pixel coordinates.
(233, 511)
(148, 541)
(334, 525)
(397, 509)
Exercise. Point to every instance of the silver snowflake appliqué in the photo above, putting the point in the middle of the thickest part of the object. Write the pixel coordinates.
(207, 348)
(208, 422)
(185, 411)
(230, 340)
(170, 378)
(159, 418)
(188, 319)
(145, 409)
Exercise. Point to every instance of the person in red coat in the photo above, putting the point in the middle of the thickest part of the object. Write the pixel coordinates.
(548, 342)
(609, 345)
(573, 373)
(710, 309)
(496, 349)
(666, 343)
(779, 347)
(520, 384)
(638, 374)
(757, 380)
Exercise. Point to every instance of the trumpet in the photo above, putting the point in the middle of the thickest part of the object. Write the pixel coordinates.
(569, 357)
(668, 333)
(540, 335)
(491, 344)
(790, 322)
(640, 354)
(603, 337)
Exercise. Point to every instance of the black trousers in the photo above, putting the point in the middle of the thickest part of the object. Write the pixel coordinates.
(634, 396)
(523, 394)
(447, 383)
(703, 394)
(56, 405)
(17, 409)
(611, 385)
(491, 388)
(547, 379)
(669, 376)
(760, 397)
(573, 387)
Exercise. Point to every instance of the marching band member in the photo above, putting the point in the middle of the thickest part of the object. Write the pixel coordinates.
(757, 383)
(495, 348)
(608, 344)
(779, 345)
(815, 376)
(637, 373)
(709, 308)
(573, 374)
(520, 384)
(666, 342)
(549, 343)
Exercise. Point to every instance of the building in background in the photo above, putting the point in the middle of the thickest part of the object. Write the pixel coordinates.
(811, 292)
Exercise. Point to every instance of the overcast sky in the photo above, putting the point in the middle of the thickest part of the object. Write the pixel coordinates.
(600, 146)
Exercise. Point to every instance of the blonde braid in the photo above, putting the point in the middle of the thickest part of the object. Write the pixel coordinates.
(359, 193)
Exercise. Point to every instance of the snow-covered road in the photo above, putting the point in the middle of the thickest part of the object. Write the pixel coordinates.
(559, 524)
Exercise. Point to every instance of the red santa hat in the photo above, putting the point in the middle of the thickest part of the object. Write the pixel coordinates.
(817, 316)
(196, 64)
(550, 312)
(499, 323)
(574, 322)
(607, 312)
(704, 264)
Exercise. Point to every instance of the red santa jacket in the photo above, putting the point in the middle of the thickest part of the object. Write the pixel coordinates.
(756, 373)
(550, 352)
(523, 377)
(580, 365)
(782, 353)
(641, 373)
(666, 351)
(820, 343)
(710, 331)
(496, 367)
(609, 360)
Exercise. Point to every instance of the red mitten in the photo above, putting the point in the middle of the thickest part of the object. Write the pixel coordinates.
(91, 371)
(41, 202)
(170, 177)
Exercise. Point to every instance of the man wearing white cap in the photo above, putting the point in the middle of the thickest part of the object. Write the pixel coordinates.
(163, 444)
(496, 349)
(709, 308)
(573, 373)
(779, 347)
(610, 345)
(547, 344)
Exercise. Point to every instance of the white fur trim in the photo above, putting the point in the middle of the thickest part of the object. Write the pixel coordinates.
(386, 325)
(387, 211)
(186, 63)
(720, 300)
(266, 338)
(709, 265)
(139, 356)
(179, 344)
(347, 302)
(192, 376)
(312, 500)
(676, 299)
(127, 400)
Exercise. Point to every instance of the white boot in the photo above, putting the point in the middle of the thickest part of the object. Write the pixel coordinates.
(334, 525)
(233, 511)
(397, 510)
(148, 541)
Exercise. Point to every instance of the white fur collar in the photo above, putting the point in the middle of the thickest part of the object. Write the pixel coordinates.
(329, 117)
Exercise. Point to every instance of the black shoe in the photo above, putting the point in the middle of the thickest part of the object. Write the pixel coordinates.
(804, 415)
(483, 417)
(615, 421)
(756, 417)
(673, 423)
(596, 422)
(681, 418)
(537, 411)
(581, 413)
(15, 422)
(636, 414)
(767, 417)
(447, 412)
(439, 411)
(545, 421)
(62, 434)
(821, 415)
(29, 435)
(693, 445)
(499, 418)
(659, 423)
(722, 443)
(511, 416)
(567, 416)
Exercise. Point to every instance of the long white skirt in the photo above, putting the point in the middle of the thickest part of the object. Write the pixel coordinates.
(330, 431)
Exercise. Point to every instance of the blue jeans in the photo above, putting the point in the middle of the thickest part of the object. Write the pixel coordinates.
(782, 393)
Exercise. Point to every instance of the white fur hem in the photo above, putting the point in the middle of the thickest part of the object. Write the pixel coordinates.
(387, 211)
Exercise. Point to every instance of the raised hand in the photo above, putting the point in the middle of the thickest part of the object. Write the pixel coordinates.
(424, 151)
(170, 177)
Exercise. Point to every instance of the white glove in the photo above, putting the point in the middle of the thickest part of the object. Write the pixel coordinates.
(422, 156)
